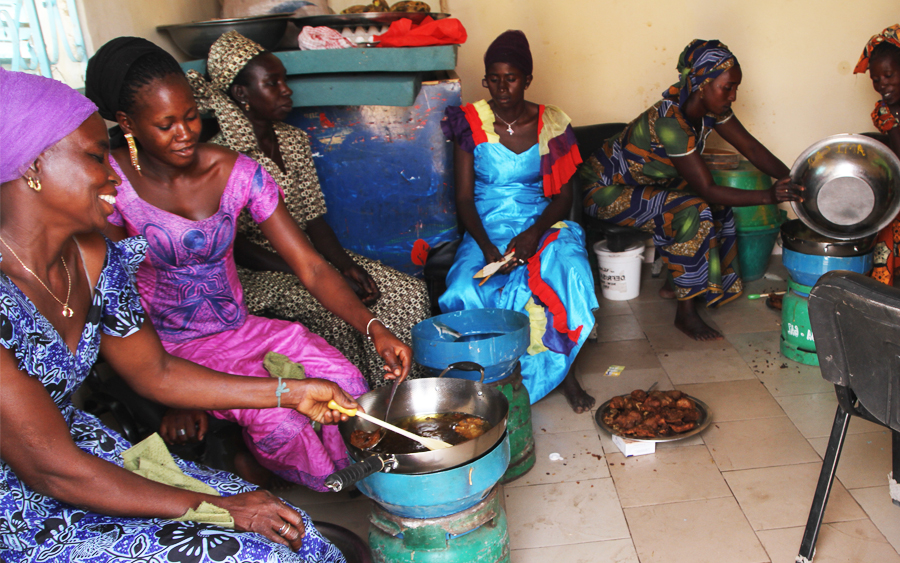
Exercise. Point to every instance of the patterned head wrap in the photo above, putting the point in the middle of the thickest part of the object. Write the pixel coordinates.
(37, 113)
(107, 69)
(890, 34)
(510, 47)
(701, 61)
(227, 57)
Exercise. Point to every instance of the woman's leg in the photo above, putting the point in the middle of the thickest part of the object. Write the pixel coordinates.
(691, 238)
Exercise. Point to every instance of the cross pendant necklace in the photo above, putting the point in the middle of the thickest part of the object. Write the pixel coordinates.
(509, 128)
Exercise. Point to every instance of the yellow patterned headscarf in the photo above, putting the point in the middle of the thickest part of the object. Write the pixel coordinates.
(227, 57)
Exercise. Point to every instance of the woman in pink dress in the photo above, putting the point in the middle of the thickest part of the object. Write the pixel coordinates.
(185, 197)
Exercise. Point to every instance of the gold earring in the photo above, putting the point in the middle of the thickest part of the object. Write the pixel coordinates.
(34, 184)
(133, 152)
(247, 106)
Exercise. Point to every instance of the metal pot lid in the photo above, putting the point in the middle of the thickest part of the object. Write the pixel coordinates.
(852, 186)
(800, 238)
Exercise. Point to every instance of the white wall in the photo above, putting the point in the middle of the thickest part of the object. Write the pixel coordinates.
(608, 60)
(108, 19)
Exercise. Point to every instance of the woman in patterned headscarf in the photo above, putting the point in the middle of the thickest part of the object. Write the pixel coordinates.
(652, 177)
(248, 94)
(881, 57)
(185, 197)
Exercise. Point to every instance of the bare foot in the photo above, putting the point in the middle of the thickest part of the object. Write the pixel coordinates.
(667, 291)
(577, 397)
(688, 321)
(248, 469)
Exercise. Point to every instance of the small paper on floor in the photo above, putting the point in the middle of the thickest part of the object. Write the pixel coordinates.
(614, 371)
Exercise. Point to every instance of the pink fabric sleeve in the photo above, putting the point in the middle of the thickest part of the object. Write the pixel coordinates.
(264, 193)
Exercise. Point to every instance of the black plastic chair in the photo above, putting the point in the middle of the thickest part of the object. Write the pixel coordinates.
(856, 321)
(590, 138)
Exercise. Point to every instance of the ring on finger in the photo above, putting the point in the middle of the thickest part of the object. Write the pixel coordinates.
(182, 432)
(284, 529)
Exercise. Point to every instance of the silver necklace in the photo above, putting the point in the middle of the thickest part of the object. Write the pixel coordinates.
(509, 128)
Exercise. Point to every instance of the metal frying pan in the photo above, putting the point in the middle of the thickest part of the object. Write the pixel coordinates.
(428, 396)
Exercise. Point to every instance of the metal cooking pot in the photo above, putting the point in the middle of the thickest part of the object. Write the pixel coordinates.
(419, 397)
(798, 237)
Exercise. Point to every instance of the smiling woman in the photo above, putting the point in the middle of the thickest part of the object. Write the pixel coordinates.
(67, 294)
(185, 200)
(248, 93)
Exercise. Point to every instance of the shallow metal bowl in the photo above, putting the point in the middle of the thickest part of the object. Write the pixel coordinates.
(196, 38)
(852, 186)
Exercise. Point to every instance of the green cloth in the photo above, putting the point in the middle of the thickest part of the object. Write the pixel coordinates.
(151, 459)
(279, 365)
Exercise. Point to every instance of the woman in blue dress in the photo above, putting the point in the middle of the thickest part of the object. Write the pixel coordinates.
(67, 294)
(513, 160)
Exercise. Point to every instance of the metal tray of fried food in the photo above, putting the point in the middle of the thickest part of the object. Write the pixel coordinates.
(705, 419)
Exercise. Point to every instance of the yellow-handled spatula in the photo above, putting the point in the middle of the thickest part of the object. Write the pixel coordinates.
(430, 443)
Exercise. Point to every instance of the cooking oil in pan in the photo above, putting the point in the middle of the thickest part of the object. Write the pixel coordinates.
(453, 428)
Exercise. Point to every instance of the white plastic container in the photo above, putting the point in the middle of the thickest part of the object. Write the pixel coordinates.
(620, 272)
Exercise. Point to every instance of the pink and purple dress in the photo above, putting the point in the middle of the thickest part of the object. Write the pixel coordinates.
(190, 288)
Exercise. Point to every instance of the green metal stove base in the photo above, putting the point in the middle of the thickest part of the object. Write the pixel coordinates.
(518, 425)
(480, 534)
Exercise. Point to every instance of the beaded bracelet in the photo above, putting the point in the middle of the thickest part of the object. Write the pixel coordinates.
(368, 324)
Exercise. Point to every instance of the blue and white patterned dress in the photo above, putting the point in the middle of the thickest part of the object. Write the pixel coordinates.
(34, 527)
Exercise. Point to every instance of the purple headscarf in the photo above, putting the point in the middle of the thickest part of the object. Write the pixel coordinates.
(37, 113)
(510, 47)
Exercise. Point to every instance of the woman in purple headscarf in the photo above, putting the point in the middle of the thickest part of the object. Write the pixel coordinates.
(652, 177)
(67, 492)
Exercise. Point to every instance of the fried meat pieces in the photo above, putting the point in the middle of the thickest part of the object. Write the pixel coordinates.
(652, 415)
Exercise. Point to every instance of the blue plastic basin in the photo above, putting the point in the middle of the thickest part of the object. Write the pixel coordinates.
(492, 338)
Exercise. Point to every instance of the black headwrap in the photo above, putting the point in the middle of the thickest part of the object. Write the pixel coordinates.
(106, 71)
(510, 47)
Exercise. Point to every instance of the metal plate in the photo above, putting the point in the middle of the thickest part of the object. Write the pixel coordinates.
(364, 19)
(705, 419)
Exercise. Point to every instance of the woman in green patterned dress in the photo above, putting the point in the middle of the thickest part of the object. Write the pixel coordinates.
(652, 177)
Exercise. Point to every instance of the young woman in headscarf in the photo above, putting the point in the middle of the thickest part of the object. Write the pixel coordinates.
(652, 177)
(248, 94)
(185, 197)
(66, 295)
(513, 160)
(881, 57)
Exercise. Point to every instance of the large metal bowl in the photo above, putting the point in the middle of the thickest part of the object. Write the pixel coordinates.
(852, 186)
(196, 38)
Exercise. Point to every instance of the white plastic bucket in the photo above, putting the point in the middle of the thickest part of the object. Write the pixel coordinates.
(620, 272)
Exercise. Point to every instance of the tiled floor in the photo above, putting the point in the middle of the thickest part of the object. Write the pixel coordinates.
(738, 493)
